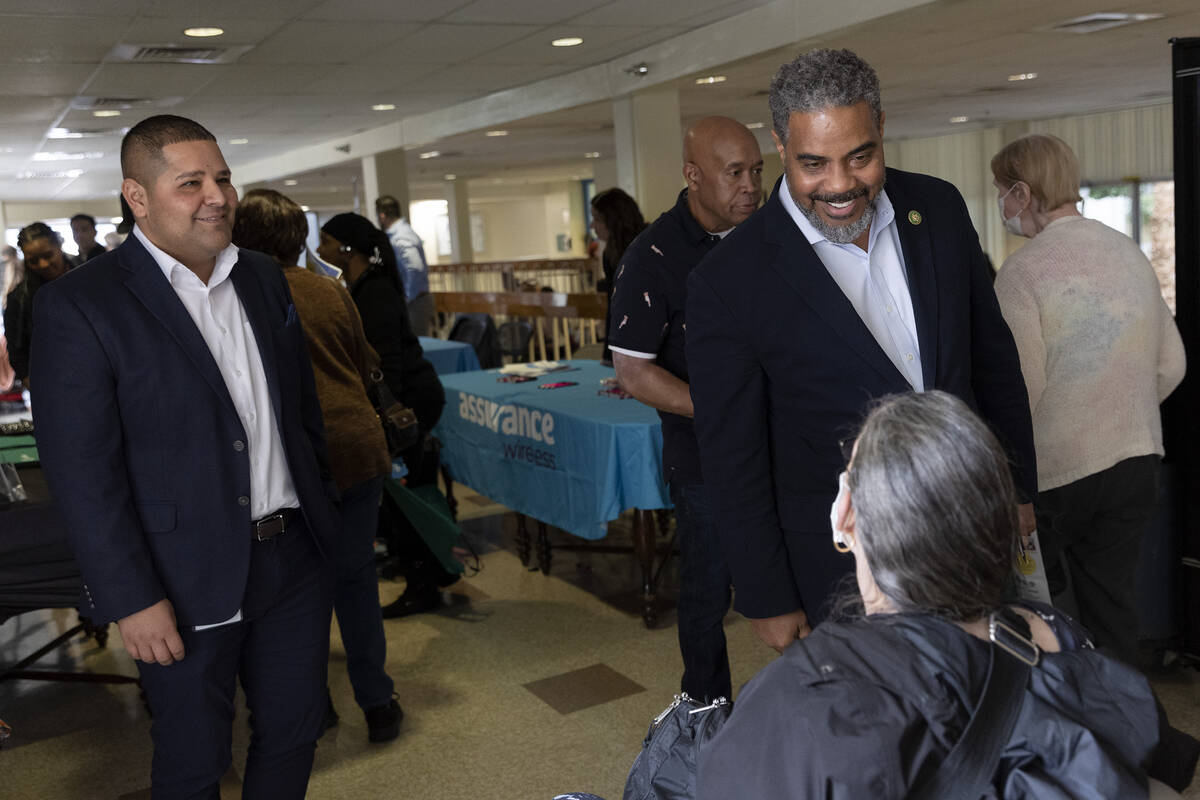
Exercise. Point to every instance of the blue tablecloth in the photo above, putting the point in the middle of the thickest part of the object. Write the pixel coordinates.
(449, 357)
(568, 457)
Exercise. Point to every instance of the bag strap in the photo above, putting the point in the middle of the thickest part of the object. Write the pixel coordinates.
(970, 767)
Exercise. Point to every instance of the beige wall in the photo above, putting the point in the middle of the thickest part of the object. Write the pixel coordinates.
(523, 222)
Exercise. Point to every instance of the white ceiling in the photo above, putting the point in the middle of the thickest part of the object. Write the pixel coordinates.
(315, 67)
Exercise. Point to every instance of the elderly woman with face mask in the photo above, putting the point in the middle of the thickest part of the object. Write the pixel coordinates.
(1099, 352)
(873, 701)
(44, 261)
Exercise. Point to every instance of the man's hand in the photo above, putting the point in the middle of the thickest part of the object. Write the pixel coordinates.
(150, 635)
(1027, 521)
(781, 631)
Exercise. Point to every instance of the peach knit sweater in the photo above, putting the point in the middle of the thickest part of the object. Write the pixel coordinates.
(1099, 348)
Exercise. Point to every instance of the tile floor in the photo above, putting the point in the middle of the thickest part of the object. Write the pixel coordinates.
(521, 687)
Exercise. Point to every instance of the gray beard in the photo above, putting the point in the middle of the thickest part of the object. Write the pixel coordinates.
(840, 234)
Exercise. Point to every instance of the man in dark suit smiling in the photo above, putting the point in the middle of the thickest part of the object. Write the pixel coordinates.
(179, 427)
(853, 282)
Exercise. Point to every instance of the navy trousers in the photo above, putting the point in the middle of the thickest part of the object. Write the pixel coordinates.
(704, 595)
(356, 598)
(280, 651)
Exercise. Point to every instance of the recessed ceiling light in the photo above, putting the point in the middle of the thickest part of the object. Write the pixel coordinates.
(496, 133)
(957, 120)
(450, 176)
(200, 32)
(63, 133)
(567, 41)
(304, 208)
(431, 154)
(106, 112)
(755, 125)
(1023, 76)
(710, 79)
(593, 154)
(290, 182)
(239, 141)
(384, 107)
(116, 220)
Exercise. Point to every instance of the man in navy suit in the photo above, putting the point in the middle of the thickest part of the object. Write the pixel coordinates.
(852, 282)
(178, 424)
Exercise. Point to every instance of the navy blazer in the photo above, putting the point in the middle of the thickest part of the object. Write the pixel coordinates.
(782, 368)
(141, 444)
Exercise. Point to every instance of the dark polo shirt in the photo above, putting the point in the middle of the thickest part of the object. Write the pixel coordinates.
(647, 317)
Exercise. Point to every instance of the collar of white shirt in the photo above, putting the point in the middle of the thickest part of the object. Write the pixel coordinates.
(167, 263)
(884, 215)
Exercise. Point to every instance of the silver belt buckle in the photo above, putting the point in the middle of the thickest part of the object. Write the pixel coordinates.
(273, 524)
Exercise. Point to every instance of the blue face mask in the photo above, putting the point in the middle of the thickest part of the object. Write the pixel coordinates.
(1011, 224)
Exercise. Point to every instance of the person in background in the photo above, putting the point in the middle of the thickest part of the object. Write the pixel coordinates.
(723, 170)
(11, 272)
(83, 229)
(45, 261)
(112, 240)
(409, 251)
(871, 703)
(364, 254)
(342, 360)
(617, 221)
(1099, 352)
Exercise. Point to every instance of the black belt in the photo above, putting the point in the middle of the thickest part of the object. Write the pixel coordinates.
(272, 525)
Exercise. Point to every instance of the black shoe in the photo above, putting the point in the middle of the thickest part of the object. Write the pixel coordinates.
(331, 715)
(415, 600)
(383, 722)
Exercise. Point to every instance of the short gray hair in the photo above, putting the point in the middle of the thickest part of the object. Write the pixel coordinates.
(935, 508)
(822, 79)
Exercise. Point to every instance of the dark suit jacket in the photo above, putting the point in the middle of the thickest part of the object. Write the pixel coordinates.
(140, 440)
(782, 368)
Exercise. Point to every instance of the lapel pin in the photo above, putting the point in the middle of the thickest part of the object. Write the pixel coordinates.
(914, 217)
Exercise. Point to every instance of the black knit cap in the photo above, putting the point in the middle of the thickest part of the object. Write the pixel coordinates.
(352, 230)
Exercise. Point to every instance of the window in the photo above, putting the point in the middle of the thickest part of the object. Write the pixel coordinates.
(1152, 226)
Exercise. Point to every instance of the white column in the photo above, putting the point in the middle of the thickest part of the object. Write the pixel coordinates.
(648, 138)
(459, 210)
(384, 173)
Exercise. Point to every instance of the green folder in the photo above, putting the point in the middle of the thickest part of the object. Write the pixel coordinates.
(427, 510)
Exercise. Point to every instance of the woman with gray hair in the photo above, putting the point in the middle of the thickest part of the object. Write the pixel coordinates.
(871, 703)
(1099, 352)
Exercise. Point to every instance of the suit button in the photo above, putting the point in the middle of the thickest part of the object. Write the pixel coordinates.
(239, 445)
(243, 501)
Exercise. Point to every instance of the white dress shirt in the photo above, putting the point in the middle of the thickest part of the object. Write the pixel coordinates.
(218, 313)
(873, 281)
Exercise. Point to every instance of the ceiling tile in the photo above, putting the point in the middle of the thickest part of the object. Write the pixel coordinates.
(239, 30)
(326, 42)
(41, 80)
(204, 13)
(241, 80)
(47, 39)
(538, 12)
(374, 11)
(72, 8)
(482, 79)
(150, 80)
(600, 43)
(678, 13)
(448, 44)
(374, 77)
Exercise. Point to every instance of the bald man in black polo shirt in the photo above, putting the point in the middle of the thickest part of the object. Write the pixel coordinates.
(722, 164)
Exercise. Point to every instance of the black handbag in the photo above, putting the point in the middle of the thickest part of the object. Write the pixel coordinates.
(400, 426)
(666, 767)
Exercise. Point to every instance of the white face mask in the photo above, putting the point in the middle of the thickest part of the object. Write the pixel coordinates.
(1013, 223)
(840, 536)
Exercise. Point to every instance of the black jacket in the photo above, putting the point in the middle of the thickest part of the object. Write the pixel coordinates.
(411, 378)
(868, 708)
(781, 368)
